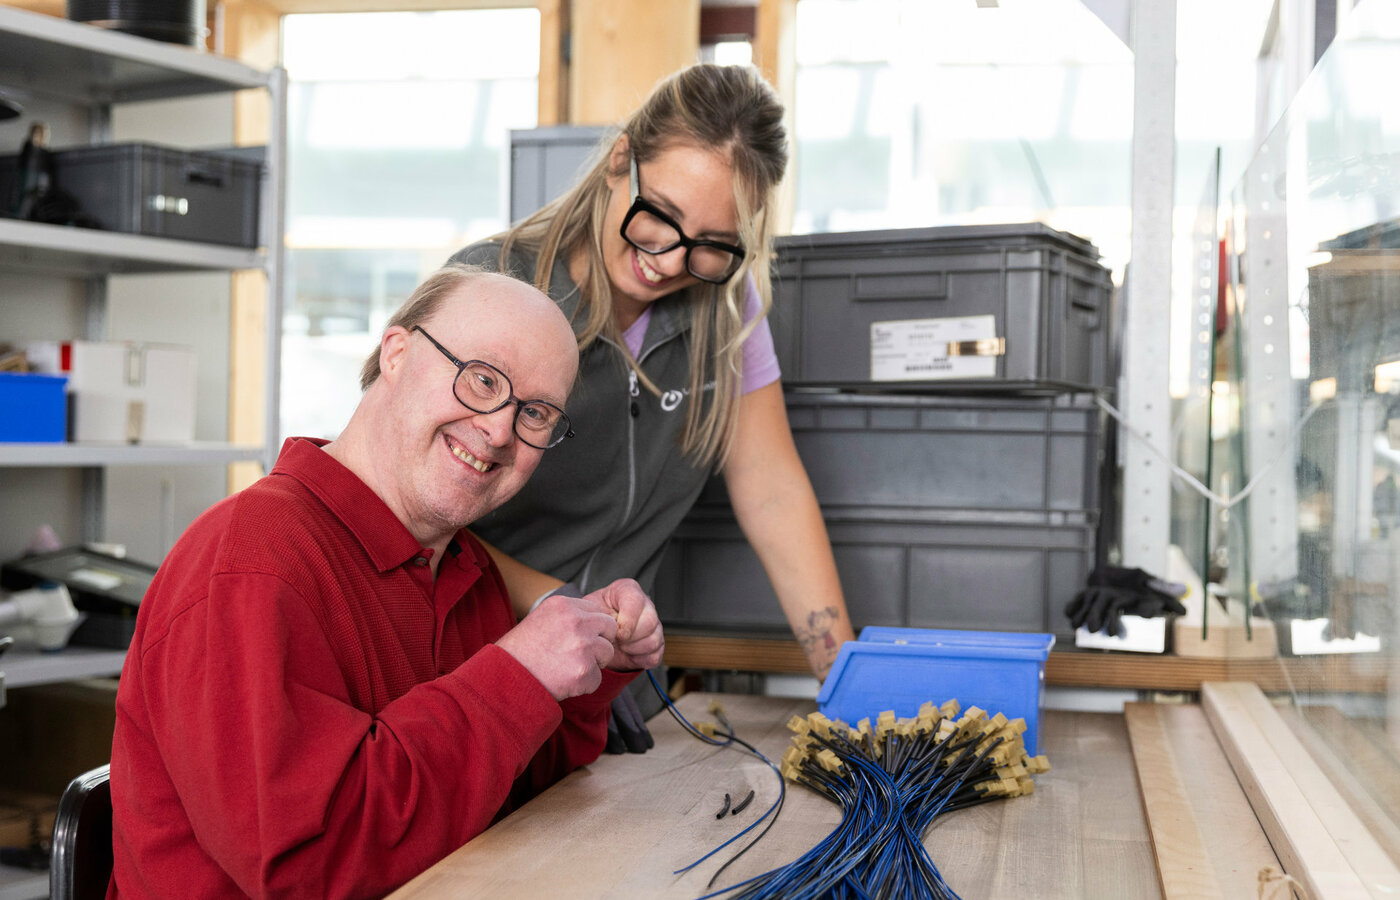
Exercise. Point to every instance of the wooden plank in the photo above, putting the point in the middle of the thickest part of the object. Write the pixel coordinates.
(1183, 865)
(1202, 825)
(1365, 775)
(1317, 838)
(1065, 668)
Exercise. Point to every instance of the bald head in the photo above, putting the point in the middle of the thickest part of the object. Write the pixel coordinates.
(422, 436)
(458, 288)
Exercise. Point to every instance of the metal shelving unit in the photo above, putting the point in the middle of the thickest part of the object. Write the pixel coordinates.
(91, 69)
(94, 68)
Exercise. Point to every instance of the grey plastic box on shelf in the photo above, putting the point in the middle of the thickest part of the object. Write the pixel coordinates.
(984, 575)
(545, 162)
(1020, 307)
(935, 454)
(163, 192)
(944, 512)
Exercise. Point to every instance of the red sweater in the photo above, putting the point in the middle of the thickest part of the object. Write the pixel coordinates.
(306, 712)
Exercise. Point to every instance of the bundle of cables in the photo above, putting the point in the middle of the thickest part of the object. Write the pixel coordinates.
(892, 782)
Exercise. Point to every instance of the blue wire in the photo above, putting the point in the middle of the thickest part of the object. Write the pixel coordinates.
(685, 723)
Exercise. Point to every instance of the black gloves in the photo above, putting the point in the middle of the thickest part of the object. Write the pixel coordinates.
(627, 731)
(1113, 592)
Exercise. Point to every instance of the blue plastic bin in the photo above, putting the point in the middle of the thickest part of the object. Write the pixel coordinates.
(903, 668)
(33, 408)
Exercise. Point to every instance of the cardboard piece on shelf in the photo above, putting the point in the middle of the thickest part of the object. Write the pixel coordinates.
(1139, 635)
(123, 391)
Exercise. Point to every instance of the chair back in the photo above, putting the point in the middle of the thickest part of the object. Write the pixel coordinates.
(81, 862)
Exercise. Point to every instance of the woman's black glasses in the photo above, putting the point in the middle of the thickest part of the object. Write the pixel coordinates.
(653, 232)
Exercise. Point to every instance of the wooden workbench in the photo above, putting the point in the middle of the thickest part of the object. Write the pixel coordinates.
(618, 828)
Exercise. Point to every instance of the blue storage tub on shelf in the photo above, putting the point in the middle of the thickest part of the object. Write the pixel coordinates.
(902, 668)
(33, 408)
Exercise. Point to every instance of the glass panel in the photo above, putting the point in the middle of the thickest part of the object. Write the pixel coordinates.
(910, 113)
(395, 160)
(1313, 245)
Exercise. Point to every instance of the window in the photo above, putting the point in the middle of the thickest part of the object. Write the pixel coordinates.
(397, 157)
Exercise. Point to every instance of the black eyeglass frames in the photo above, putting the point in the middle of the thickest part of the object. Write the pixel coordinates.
(653, 232)
(483, 388)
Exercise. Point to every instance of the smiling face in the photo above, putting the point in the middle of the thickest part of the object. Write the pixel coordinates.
(442, 465)
(693, 186)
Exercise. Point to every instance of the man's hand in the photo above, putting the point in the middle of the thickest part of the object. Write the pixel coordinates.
(639, 642)
(565, 643)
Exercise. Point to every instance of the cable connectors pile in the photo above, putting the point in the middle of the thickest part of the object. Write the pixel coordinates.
(891, 783)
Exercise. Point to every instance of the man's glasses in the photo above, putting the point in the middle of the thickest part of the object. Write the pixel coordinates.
(483, 388)
(652, 231)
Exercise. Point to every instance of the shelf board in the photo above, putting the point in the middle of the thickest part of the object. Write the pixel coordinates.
(65, 250)
(83, 63)
(26, 666)
(1070, 668)
(67, 455)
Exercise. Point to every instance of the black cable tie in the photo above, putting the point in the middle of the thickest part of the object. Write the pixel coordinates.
(725, 809)
(742, 804)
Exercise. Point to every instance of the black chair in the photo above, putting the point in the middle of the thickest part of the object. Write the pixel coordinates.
(81, 862)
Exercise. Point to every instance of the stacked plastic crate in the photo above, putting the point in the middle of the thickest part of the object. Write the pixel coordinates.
(941, 387)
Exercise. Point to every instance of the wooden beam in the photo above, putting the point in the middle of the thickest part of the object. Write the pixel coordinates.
(1318, 838)
(248, 31)
(775, 54)
(1065, 668)
(620, 49)
(554, 62)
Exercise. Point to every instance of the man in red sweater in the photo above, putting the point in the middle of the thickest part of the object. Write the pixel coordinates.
(328, 690)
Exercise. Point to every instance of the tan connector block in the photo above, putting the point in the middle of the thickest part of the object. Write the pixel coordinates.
(715, 707)
(946, 728)
(799, 725)
(706, 728)
(950, 709)
(820, 724)
(929, 709)
(1038, 765)
(884, 723)
(1026, 784)
(829, 761)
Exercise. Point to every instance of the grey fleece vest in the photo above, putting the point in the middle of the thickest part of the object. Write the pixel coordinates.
(603, 504)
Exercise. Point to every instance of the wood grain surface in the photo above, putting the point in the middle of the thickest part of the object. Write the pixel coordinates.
(618, 828)
(1207, 840)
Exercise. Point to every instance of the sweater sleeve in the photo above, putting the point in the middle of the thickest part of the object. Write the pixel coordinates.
(295, 792)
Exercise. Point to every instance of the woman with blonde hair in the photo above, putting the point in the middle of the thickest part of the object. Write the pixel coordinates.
(660, 258)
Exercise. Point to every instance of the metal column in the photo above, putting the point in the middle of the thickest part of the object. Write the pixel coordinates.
(1146, 402)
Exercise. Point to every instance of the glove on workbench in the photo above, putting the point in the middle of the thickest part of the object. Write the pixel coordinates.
(1113, 592)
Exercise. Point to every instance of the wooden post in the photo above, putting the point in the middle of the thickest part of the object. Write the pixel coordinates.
(251, 32)
(620, 49)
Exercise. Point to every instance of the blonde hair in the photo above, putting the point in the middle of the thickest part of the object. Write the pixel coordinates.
(726, 109)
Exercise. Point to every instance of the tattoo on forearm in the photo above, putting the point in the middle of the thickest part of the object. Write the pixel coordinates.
(817, 639)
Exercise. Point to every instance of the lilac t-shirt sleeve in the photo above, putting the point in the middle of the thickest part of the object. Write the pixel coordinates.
(760, 359)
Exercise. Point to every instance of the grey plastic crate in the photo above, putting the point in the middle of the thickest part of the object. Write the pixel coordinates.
(1047, 292)
(163, 192)
(1012, 576)
(545, 162)
(936, 456)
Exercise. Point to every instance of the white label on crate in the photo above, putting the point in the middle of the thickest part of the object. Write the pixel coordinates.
(917, 349)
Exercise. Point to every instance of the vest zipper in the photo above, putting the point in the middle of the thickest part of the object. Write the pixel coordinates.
(633, 392)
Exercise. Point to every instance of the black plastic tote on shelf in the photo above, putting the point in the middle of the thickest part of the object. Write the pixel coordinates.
(1007, 307)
